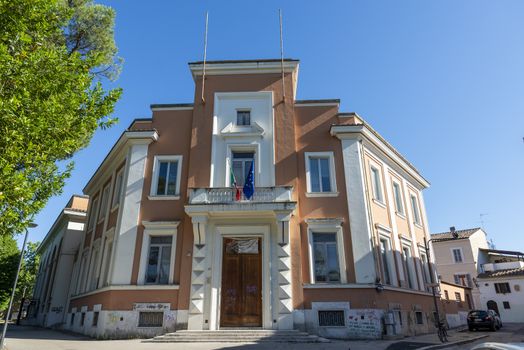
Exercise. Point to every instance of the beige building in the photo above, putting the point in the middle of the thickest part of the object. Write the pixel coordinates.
(459, 259)
(251, 208)
(57, 252)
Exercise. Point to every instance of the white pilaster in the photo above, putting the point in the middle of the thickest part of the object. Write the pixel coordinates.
(359, 211)
(285, 298)
(127, 230)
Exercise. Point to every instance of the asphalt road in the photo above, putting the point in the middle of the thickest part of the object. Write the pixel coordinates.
(509, 333)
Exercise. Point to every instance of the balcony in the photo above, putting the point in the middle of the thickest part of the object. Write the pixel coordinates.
(228, 195)
(222, 201)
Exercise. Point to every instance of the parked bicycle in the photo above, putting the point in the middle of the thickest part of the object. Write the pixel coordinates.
(442, 332)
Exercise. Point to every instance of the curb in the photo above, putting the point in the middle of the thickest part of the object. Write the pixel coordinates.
(458, 342)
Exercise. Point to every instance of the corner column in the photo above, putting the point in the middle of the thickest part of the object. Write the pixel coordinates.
(198, 274)
(283, 249)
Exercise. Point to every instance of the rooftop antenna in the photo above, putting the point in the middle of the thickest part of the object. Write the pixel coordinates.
(282, 56)
(205, 57)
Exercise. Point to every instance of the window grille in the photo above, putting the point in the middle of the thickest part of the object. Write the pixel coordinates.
(150, 319)
(331, 318)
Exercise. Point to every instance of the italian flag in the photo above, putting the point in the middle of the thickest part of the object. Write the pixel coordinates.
(233, 182)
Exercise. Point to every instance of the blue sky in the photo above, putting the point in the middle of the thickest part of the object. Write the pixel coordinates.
(443, 81)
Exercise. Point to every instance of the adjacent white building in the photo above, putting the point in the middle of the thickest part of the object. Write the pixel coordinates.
(501, 284)
(459, 257)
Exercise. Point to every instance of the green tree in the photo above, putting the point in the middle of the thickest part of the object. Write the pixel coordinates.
(54, 57)
(9, 255)
(28, 272)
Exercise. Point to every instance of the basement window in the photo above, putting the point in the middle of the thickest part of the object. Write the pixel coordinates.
(419, 318)
(95, 319)
(73, 319)
(150, 319)
(82, 319)
(506, 305)
(331, 318)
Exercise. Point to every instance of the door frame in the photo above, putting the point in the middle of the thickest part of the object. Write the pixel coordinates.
(259, 231)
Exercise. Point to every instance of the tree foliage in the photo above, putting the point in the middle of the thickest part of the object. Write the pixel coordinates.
(9, 255)
(54, 56)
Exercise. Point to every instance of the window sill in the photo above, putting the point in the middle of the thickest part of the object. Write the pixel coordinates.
(321, 194)
(115, 208)
(163, 198)
(379, 203)
(401, 215)
(100, 221)
(418, 225)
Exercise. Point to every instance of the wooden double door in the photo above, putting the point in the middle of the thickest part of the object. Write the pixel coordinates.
(241, 292)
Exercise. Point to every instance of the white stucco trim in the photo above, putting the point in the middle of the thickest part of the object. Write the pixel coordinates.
(151, 287)
(242, 147)
(262, 231)
(358, 207)
(332, 174)
(156, 166)
(262, 115)
(327, 226)
(157, 228)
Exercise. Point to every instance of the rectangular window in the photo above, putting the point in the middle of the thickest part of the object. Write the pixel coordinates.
(167, 178)
(416, 212)
(159, 260)
(377, 184)
(104, 203)
(506, 305)
(408, 267)
(319, 174)
(458, 298)
(82, 319)
(397, 192)
(92, 215)
(331, 318)
(457, 256)
(150, 319)
(384, 255)
(243, 118)
(73, 319)
(446, 295)
(502, 288)
(419, 317)
(93, 276)
(241, 164)
(107, 262)
(325, 254)
(425, 269)
(119, 185)
(95, 319)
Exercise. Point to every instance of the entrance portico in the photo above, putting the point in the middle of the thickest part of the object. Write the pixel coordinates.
(246, 286)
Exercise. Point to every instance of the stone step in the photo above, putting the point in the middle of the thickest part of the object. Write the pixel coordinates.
(238, 336)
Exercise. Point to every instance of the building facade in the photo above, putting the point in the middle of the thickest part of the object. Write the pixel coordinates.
(57, 252)
(250, 208)
(501, 284)
(459, 260)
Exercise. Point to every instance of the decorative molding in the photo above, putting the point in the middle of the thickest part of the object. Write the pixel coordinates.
(233, 130)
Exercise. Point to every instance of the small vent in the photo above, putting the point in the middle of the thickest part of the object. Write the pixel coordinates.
(150, 319)
(331, 318)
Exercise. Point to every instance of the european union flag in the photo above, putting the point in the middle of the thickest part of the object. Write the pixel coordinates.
(249, 186)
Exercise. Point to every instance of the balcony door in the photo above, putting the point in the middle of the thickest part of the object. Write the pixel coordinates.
(241, 292)
(241, 163)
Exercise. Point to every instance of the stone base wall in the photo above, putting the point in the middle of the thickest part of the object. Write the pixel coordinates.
(122, 324)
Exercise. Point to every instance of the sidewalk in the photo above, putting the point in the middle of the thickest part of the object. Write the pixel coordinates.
(25, 337)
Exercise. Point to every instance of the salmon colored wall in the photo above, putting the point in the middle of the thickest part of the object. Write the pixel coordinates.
(313, 125)
(368, 298)
(124, 299)
(174, 131)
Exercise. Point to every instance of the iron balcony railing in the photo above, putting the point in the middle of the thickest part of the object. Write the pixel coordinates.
(225, 195)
